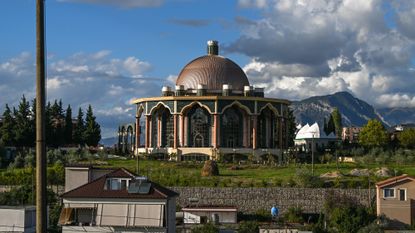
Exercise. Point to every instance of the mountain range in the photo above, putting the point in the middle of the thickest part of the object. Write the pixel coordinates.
(355, 112)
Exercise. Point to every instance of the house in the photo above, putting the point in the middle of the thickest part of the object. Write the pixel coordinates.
(204, 214)
(118, 201)
(395, 199)
(18, 219)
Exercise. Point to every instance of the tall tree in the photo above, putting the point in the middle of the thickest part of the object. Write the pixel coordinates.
(57, 118)
(92, 129)
(337, 120)
(373, 134)
(23, 127)
(291, 127)
(7, 128)
(68, 126)
(48, 124)
(407, 138)
(330, 127)
(78, 133)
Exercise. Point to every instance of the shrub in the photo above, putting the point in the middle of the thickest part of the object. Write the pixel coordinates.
(207, 228)
(248, 227)
(210, 168)
(304, 178)
(294, 214)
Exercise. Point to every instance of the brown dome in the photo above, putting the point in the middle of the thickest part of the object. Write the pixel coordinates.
(212, 71)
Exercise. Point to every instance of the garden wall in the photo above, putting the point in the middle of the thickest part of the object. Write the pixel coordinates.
(251, 200)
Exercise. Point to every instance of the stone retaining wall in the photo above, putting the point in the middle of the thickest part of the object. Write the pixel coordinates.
(250, 200)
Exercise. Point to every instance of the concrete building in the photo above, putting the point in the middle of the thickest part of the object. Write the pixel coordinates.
(214, 214)
(18, 219)
(351, 134)
(118, 201)
(213, 111)
(309, 135)
(395, 199)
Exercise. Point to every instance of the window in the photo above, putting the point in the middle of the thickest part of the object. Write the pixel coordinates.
(117, 184)
(388, 193)
(402, 194)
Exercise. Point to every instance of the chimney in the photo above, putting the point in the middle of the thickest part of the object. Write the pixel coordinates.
(212, 47)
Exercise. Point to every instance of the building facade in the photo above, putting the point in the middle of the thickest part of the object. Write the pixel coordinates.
(395, 199)
(213, 111)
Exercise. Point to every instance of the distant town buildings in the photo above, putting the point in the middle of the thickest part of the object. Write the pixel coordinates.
(213, 111)
(351, 134)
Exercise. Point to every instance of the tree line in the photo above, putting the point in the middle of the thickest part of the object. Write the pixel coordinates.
(18, 126)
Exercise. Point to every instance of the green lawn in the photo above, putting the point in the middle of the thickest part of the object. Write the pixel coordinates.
(188, 173)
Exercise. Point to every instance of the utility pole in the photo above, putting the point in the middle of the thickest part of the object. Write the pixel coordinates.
(41, 210)
(312, 154)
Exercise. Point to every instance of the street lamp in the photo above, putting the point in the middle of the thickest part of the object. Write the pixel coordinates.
(233, 157)
(312, 153)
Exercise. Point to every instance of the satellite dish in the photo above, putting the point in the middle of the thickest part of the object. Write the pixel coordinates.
(274, 211)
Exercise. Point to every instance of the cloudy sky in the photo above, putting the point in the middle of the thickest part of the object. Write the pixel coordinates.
(108, 52)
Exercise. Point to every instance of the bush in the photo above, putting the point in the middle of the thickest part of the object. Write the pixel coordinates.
(210, 168)
(207, 228)
(248, 227)
(294, 215)
(304, 178)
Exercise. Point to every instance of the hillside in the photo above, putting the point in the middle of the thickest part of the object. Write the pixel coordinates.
(355, 112)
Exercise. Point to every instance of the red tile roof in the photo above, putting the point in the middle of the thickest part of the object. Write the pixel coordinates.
(394, 180)
(96, 189)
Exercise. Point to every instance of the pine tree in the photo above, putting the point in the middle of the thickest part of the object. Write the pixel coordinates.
(68, 126)
(57, 118)
(7, 128)
(48, 124)
(78, 133)
(92, 132)
(22, 126)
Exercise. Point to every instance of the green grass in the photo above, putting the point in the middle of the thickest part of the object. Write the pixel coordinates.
(188, 173)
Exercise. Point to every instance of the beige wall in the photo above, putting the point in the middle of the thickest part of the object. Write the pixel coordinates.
(395, 209)
(18, 219)
(77, 176)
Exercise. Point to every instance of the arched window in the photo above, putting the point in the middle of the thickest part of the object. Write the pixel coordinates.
(199, 129)
(267, 129)
(232, 128)
(166, 130)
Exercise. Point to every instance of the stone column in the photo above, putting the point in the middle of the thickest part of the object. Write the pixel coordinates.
(159, 131)
(281, 124)
(137, 132)
(254, 131)
(214, 131)
(175, 131)
(182, 129)
(147, 136)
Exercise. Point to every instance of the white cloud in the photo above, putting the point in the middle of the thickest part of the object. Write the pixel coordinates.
(315, 47)
(108, 84)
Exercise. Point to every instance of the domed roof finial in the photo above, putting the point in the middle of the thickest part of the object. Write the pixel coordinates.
(213, 47)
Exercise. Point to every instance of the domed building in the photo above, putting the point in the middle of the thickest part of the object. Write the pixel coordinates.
(212, 112)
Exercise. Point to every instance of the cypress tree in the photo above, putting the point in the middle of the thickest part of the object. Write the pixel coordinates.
(68, 126)
(22, 126)
(78, 133)
(291, 127)
(337, 120)
(92, 129)
(7, 128)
